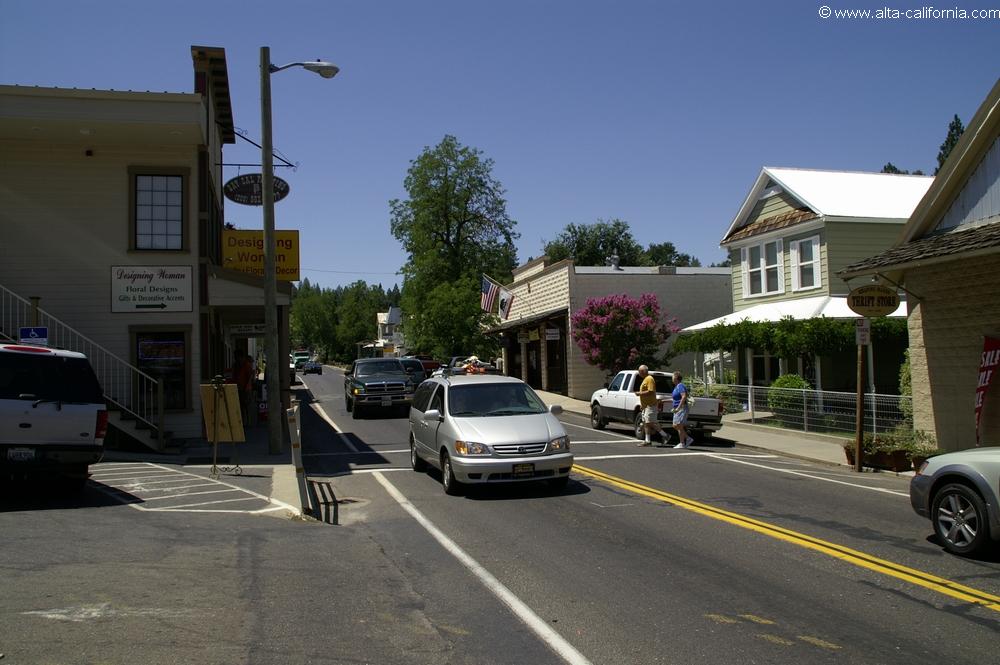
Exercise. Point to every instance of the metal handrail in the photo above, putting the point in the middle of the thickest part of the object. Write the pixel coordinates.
(125, 386)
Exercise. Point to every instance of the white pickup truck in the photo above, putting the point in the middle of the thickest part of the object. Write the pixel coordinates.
(618, 402)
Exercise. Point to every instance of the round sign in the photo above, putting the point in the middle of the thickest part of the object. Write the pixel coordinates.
(873, 300)
(247, 189)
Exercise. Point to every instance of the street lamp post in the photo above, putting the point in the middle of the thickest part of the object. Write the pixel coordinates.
(271, 340)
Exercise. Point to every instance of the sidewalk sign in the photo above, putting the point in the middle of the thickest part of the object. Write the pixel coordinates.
(220, 410)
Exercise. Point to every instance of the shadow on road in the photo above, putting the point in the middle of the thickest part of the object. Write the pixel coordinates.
(52, 495)
(328, 452)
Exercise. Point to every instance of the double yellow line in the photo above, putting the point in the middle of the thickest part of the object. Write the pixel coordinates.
(854, 557)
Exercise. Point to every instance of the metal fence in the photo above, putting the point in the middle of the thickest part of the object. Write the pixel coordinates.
(126, 387)
(819, 411)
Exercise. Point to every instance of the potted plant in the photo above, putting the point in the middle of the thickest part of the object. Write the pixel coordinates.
(924, 446)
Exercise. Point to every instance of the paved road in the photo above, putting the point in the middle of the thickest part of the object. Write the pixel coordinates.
(718, 554)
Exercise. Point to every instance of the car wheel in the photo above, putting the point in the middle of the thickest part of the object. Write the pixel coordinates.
(960, 521)
(320, 372)
(356, 411)
(640, 430)
(559, 484)
(451, 485)
(597, 420)
(416, 461)
(348, 404)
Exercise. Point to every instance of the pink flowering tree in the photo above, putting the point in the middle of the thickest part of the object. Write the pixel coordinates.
(618, 332)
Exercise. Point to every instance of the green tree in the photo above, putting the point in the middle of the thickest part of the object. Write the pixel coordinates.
(955, 131)
(593, 244)
(665, 254)
(454, 227)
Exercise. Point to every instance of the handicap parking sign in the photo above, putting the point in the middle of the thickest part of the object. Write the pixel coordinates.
(34, 335)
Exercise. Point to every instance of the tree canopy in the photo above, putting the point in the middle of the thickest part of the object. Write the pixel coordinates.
(453, 227)
(955, 131)
(594, 244)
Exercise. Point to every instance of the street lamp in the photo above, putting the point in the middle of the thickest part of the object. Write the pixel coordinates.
(274, 365)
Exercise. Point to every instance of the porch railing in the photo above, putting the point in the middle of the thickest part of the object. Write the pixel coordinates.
(126, 387)
(819, 411)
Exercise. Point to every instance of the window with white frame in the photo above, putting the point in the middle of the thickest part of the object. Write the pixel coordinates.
(159, 211)
(805, 264)
(763, 272)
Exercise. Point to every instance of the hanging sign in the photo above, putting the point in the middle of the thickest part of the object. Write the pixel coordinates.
(988, 366)
(248, 190)
(243, 251)
(873, 300)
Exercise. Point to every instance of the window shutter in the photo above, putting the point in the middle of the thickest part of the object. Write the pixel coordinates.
(818, 265)
(793, 251)
(746, 272)
(781, 267)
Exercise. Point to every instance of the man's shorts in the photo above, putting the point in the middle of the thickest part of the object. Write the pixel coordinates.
(649, 414)
(681, 416)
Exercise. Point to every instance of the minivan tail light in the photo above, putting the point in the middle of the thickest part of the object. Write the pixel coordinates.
(102, 426)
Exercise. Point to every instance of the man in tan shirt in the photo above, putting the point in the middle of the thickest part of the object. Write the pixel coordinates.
(649, 404)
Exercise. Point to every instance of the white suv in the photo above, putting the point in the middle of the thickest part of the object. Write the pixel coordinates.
(53, 417)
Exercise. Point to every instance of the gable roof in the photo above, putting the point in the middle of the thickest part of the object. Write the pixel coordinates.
(839, 194)
(918, 244)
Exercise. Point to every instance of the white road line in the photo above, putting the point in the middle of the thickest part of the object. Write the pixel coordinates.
(360, 452)
(688, 453)
(276, 502)
(132, 489)
(329, 421)
(554, 640)
(203, 503)
(176, 496)
(164, 482)
(814, 477)
(129, 476)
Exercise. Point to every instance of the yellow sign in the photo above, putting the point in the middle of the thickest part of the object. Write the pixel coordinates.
(873, 300)
(220, 411)
(243, 251)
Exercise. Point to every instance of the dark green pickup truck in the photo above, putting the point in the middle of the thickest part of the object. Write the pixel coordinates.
(377, 383)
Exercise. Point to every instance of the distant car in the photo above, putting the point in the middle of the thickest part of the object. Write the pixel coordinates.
(415, 368)
(428, 362)
(53, 416)
(312, 367)
(300, 358)
(960, 494)
(377, 383)
(291, 369)
(487, 429)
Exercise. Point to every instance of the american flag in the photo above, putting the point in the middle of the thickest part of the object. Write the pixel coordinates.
(488, 296)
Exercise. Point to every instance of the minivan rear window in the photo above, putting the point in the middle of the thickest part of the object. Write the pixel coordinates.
(56, 378)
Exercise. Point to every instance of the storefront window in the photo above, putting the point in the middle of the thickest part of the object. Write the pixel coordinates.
(163, 355)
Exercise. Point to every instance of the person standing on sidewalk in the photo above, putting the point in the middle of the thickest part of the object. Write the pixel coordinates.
(681, 408)
(649, 404)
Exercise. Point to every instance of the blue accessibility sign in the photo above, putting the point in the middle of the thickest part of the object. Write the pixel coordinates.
(34, 335)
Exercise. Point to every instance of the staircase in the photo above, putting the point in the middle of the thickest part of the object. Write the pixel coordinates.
(135, 399)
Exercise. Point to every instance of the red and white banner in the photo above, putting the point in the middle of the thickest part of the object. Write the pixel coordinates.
(987, 368)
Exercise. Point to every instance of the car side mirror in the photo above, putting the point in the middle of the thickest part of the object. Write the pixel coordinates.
(432, 415)
(555, 410)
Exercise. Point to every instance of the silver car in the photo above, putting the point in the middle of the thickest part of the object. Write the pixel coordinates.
(960, 493)
(486, 429)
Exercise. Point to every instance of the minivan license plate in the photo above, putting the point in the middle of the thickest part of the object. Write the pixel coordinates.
(524, 470)
(20, 454)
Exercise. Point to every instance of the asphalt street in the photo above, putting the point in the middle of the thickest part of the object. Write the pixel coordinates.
(718, 554)
(715, 554)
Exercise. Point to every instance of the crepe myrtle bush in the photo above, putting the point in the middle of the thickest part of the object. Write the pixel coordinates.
(617, 332)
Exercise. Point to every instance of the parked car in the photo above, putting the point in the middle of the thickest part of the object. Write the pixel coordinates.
(291, 369)
(377, 383)
(618, 402)
(415, 368)
(300, 358)
(427, 361)
(960, 494)
(312, 367)
(487, 429)
(53, 417)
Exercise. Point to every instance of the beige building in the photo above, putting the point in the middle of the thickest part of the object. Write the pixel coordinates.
(795, 230)
(537, 337)
(112, 217)
(948, 259)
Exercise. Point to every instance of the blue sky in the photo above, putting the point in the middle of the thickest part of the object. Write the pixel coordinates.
(659, 113)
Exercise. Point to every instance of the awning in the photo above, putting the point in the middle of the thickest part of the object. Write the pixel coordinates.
(831, 307)
(526, 320)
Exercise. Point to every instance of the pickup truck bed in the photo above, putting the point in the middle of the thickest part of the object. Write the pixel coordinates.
(619, 403)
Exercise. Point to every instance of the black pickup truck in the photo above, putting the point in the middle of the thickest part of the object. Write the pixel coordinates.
(377, 383)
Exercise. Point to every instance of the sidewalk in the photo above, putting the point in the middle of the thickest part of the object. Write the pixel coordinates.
(814, 447)
(265, 473)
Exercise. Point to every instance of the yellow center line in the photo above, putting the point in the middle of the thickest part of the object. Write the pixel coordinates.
(848, 555)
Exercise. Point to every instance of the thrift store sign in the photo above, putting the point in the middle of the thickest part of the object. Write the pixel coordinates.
(987, 368)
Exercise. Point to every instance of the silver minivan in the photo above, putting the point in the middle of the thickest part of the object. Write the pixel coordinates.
(479, 429)
(53, 417)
